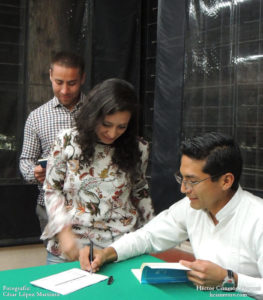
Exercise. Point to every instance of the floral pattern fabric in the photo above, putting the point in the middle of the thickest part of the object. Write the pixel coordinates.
(97, 199)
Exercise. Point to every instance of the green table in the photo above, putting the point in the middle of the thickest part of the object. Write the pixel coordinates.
(125, 285)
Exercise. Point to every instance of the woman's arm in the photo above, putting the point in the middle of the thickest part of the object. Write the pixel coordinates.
(59, 220)
(140, 191)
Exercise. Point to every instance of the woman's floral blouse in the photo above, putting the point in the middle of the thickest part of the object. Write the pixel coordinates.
(97, 200)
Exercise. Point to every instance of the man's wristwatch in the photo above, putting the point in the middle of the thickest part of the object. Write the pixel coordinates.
(229, 283)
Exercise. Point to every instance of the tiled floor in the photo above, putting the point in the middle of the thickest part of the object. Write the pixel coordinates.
(17, 257)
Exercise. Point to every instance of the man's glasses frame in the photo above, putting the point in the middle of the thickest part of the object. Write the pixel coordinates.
(188, 184)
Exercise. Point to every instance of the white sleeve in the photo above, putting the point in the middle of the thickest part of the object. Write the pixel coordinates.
(163, 232)
(253, 286)
(250, 285)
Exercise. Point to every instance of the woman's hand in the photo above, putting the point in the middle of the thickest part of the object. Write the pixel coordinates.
(68, 244)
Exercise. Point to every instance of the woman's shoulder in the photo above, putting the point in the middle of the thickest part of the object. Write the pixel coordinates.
(67, 135)
(66, 139)
(68, 132)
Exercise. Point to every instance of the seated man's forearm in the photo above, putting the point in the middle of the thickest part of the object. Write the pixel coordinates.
(110, 254)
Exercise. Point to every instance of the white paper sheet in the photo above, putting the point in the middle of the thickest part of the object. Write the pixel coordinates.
(137, 273)
(68, 281)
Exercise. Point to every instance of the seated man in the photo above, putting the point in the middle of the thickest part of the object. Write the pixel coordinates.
(223, 222)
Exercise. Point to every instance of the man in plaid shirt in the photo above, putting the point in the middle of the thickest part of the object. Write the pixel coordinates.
(43, 124)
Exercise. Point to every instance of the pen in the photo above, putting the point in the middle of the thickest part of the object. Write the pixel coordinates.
(91, 254)
(110, 280)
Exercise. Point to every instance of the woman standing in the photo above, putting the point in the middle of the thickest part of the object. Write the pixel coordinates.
(95, 188)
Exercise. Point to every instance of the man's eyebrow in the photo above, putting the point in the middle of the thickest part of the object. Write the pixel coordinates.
(189, 176)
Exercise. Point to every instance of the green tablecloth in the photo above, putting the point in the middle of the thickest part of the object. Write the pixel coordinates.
(125, 285)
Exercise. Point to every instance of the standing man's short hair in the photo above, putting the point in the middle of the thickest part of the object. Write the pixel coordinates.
(69, 60)
(221, 152)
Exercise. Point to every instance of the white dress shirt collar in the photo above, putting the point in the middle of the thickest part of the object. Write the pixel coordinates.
(230, 208)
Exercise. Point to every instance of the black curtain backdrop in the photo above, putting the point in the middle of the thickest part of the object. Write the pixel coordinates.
(108, 35)
(116, 40)
(18, 221)
(168, 102)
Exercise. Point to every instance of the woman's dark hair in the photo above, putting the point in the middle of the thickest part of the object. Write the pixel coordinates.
(220, 151)
(110, 96)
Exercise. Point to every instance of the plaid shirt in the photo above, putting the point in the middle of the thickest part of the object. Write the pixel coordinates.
(41, 129)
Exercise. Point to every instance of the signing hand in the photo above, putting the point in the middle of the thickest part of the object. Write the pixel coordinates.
(100, 257)
(205, 273)
(68, 244)
(40, 173)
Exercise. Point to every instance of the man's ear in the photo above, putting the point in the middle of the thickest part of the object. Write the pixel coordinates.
(50, 74)
(227, 181)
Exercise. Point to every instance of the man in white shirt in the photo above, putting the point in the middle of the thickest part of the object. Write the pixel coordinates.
(223, 222)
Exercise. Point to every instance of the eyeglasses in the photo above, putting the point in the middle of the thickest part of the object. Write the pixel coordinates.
(188, 184)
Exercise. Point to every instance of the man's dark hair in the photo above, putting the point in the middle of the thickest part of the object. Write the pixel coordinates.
(69, 60)
(106, 98)
(221, 152)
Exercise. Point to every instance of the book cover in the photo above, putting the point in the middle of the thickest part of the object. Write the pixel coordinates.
(155, 273)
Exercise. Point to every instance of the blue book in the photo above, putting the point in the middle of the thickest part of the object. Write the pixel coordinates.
(154, 273)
